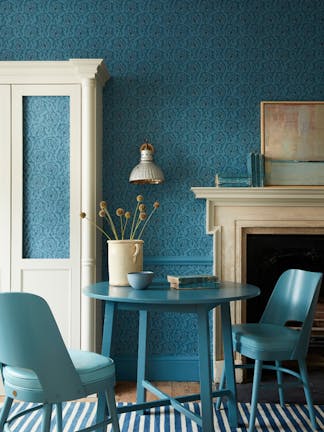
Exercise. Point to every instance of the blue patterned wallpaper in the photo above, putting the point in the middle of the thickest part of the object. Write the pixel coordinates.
(46, 198)
(188, 75)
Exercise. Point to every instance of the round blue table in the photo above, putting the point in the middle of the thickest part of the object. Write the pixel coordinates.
(162, 298)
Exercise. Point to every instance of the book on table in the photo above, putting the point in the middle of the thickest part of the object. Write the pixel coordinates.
(195, 286)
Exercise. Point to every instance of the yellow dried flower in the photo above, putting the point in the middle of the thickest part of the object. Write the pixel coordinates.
(139, 198)
(142, 216)
(84, 216)
(127, 215)
(102, 213)
(120, 212)
(142, 207)
(155, 206)
(103, 204)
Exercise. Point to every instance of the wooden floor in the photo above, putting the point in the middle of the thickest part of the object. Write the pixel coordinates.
(126, 390)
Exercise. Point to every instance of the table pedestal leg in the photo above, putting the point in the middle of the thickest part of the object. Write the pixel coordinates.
(142, 357)
(205, 371)
(229, 363)
(109, 315)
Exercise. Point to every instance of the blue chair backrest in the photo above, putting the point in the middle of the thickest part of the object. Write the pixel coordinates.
(30, 338)
(294, 298)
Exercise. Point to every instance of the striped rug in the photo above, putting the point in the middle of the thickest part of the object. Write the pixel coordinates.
(271, 417)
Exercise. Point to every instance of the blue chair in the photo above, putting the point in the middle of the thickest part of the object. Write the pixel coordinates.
(293, 299)
(36, 366)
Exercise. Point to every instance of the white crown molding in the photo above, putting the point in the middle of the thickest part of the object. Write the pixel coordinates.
(53, 72)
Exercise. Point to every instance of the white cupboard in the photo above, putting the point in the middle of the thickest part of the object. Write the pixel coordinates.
(50, 165)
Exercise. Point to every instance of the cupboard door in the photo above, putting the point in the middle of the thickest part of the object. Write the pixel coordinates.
(46, 199)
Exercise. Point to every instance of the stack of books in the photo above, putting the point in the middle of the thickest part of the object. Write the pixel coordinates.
(255, 171)
(202, 281)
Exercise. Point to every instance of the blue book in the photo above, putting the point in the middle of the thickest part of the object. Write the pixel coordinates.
(251, 168)
(245, 183)
(191, 279)
(234, 181)
(196, 286)
(261, 170)
(257, 168)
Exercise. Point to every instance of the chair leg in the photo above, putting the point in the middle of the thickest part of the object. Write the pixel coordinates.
(220, 387)
(308, 396)
(280, 384)
(111, 402)
(59, 426)
(5, 412)
(46, 421)
(255, 393)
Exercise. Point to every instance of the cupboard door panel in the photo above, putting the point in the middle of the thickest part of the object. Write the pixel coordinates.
(58, 294)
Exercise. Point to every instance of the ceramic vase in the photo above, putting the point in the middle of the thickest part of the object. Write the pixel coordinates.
(124, 256)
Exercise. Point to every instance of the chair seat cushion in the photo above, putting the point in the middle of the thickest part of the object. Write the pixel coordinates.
(90, 366)
(264, 341)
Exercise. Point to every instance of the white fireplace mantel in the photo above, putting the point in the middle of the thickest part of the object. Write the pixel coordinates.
(233, 213)
(262, 195)
(268, 207)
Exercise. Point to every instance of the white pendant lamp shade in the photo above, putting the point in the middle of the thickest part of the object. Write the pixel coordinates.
(146, 171)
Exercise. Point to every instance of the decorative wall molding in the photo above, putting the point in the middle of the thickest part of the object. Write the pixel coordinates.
(49, 72)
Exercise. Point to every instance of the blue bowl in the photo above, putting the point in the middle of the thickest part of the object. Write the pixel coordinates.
(140, 280)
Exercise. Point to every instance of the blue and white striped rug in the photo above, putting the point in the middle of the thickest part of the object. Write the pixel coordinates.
(271, 418)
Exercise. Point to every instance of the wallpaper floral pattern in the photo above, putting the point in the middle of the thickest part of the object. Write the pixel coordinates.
(46, 122)
(189, 76)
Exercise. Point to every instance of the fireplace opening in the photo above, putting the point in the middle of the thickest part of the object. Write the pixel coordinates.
(267, 257)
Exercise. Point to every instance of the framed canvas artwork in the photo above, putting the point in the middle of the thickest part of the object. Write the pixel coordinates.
(292, 142)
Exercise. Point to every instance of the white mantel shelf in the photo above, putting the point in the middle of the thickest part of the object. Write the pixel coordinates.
(262, 196)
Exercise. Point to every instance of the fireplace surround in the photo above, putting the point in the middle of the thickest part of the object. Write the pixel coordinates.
(234, 214)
